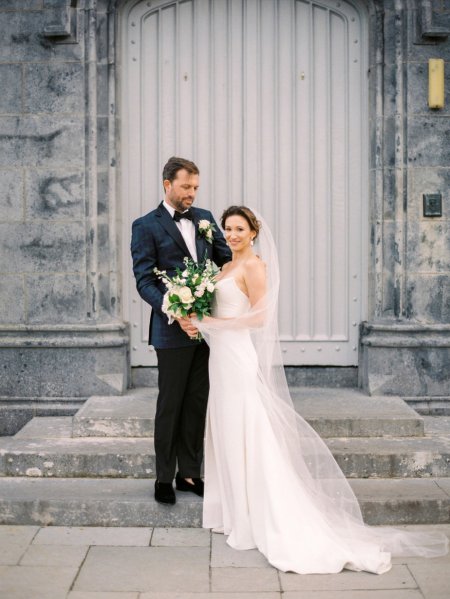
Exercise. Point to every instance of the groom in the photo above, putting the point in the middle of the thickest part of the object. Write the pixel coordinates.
(161, 239)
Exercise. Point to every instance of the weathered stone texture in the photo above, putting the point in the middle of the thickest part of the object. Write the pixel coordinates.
(11, 86)
(55, 194)
(20, 4)
(54, 88)
(11, 195)
(428, 141)
(415, 371)
(429, 246)
(41, 141)
(42, 247)
(59, 372)
(12, 304)
(57, 298)
(428, 299)
(22, 39)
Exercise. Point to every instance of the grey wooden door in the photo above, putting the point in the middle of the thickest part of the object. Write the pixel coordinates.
(269, 98)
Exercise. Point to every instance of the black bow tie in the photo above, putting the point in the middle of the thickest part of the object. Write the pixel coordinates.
(177, 216)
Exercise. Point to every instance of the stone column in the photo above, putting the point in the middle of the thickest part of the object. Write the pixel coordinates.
(61, 334)
(405, 345)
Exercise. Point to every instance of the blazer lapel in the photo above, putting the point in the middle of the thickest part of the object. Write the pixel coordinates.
(200, 241)
(170, 227)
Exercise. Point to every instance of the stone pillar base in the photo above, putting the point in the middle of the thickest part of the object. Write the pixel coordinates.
(405, 359)
(64, 361)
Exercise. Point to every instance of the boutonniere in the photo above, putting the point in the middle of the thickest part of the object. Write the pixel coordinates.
(206, 230)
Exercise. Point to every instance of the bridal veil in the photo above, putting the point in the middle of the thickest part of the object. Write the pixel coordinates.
(302, 448)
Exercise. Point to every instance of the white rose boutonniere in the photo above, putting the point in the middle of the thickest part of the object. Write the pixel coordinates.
(206, 230)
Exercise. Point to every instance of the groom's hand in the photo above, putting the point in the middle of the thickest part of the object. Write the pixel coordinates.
(187, 326)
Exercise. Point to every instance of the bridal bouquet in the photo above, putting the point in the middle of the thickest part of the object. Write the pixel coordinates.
(190, 290)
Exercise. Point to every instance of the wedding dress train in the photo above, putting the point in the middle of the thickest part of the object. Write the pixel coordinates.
(298, 510)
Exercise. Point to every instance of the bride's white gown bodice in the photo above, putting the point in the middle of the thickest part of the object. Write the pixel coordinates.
(252, 493)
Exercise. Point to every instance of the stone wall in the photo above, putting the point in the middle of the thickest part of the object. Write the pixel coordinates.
(60, 330)
(406, 343)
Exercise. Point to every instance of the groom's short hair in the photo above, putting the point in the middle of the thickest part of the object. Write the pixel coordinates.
(175, 164)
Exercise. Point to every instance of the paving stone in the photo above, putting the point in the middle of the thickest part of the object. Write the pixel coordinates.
(249, 580)
(399, 577)
(10, 554)
(31, 582)
(107, 595)
(390, 594)
(432, 578)
(67, 535)
(224, 556)
(180, 537)
(16, 534)
(237, 595)
(54, 555)
(144, 569)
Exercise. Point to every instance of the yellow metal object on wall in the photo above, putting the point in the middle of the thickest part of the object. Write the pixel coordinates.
(436, 83)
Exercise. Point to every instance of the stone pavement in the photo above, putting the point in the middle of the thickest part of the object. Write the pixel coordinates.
(160, 563)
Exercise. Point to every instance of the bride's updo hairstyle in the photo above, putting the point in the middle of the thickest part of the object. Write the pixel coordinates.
(246, 213)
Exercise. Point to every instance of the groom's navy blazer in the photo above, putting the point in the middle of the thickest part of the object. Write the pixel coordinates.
(157, 242)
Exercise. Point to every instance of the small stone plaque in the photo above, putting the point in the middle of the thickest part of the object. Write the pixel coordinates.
(432, 204)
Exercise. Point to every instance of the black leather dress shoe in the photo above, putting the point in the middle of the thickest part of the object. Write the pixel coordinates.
(164, 493)
(183, 485)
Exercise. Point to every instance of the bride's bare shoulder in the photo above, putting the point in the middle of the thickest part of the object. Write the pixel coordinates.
(255, 266)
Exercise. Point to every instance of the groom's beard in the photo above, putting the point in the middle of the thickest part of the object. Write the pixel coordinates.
(181, 204)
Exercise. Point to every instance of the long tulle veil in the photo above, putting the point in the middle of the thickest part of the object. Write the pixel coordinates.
(303, 449)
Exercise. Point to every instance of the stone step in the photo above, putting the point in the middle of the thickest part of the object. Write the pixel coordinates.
(331, 412)
(435, 406)
(45, 448)
(125, 502)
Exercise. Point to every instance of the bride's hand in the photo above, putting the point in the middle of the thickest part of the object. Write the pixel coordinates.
(196, 319)
(188, 326)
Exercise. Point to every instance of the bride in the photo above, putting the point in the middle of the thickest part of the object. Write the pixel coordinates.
(270, 480)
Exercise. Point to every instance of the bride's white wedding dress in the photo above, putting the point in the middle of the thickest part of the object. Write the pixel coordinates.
(257, 493)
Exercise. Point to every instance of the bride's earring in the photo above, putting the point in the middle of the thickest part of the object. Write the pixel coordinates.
(252, 242)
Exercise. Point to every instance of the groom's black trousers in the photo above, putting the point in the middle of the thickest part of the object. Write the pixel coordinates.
(181, 410)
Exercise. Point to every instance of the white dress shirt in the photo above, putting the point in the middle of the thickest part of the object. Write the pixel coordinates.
(187, 230)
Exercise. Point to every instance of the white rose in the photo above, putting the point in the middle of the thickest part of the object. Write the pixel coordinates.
(165, 304)
(199, 292)
(185, 295)
(184, 273)
(203, 224)
(210, 287)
